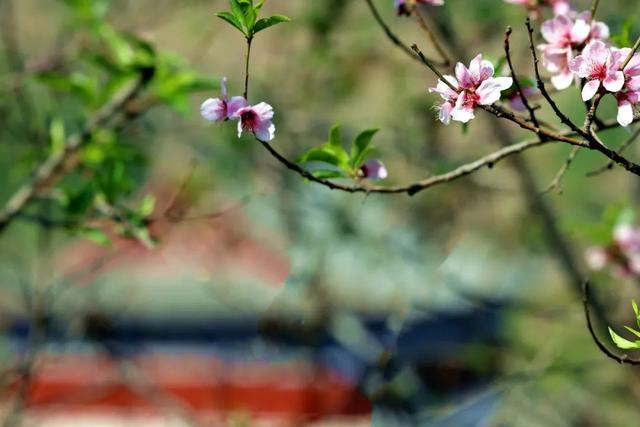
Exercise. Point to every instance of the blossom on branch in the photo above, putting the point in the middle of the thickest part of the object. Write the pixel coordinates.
(373, 170)
(600, 66)
(630, 93)
(470, 87)
(258, 120)
(223, 108)
(622, 254)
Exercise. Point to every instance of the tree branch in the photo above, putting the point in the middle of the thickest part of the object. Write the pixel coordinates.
(49, 171)
(603, 348)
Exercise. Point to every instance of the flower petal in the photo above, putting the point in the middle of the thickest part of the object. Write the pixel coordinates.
(236, 103)
(489, 90)
(265, 131)
(214, 110)
(589, 90)
(625, 113)
(614, 81)
(562, 81)
(463, 76)
(264, 111)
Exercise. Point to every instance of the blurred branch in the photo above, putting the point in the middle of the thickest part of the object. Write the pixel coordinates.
(556, 183)
(446, 60)
(516, 82)
(13, 57)
(50, 171)
(603, 348)
(390, 34)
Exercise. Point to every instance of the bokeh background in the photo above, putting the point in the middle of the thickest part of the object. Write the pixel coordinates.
(269, 300)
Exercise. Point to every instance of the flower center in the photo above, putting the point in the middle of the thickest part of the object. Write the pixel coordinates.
(249, 119)
(598, 71)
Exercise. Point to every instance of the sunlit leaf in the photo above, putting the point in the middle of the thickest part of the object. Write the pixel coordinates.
(622, 342)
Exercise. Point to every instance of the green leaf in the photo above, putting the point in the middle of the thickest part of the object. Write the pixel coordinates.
(237, 11)
(334, 136)
(360, 147)
(623, 343)
(324, 154)
(626, 217)
(231, 19)
(633, 331)
(148, 205)
(265, 23)
(57, 136)
(327, 173)
(96, 236)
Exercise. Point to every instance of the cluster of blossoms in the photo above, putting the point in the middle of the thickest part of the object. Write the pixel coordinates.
(564, 35)
(622, 254)
(256, 119)
(469, 88)
(576, 48)
(602, 66)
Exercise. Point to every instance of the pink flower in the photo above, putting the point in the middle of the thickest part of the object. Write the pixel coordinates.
(563, 35)
(596, 257)
(403, 7)
(474, 86)
(600, 66)
(626, 102)
(258, 120)
(223, 108)
(373, 170)
(630, 93)
(627, 238)
(623, 253)
(449, 96)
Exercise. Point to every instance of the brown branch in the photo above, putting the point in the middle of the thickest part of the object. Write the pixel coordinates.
(50, 171)
(634, 49)
(411, 189)
(603, 348)
(594, 9)
(556, 183)
(622, 148)
(446, 60)
(525, 101)
(390, 34)
(544, 136)
(543, 90)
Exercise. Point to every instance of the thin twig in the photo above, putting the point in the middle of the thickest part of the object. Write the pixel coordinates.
(591, 114)
(634, 49)
(390, 34)
(411, 189)
(622, 148)
(543, 90)
(594, 9)
(446, 60)
(525, 101)
(556, 183)
(246, 69)
(603, 348)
